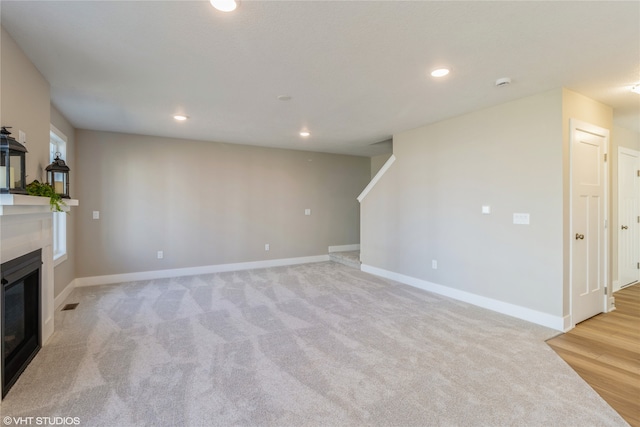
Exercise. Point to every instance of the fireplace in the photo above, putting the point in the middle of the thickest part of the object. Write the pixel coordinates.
(20, 302)
(26, 228)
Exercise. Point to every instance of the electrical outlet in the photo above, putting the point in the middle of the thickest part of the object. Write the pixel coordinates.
(96, 214)
(434, 264)
(160, 254)
(266, 246)
(307, 211)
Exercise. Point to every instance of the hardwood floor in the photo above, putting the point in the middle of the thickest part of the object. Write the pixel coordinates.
(605, 352)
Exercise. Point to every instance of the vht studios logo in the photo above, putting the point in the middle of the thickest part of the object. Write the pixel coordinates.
(41, 421)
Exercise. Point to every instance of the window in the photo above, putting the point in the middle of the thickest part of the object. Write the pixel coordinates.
(58, 144)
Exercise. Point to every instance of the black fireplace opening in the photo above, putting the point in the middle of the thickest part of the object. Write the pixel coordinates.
(20, 301)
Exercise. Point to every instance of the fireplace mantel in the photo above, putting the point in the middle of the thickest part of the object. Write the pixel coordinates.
(26, 224)
(18, 204)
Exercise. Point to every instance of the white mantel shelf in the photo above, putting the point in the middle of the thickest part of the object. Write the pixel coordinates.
(16, 204)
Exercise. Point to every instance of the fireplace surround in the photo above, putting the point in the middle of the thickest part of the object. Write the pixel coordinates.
(26, 227)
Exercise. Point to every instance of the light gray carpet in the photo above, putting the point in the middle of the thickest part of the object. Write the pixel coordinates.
(348, 258)
(309, 345)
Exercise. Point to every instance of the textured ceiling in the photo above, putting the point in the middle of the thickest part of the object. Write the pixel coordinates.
(357, 71)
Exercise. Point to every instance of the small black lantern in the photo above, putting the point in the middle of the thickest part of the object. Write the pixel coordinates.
(58, 176)
(12, 164)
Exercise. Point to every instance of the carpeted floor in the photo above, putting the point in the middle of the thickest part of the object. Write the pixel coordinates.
(308, 345)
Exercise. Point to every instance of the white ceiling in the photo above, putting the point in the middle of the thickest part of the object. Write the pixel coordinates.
(357, 71)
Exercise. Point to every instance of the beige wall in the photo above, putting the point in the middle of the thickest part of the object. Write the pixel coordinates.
(24, 104)
(377, 162)
(513, 157)
(65, 272)
(428, 205)
(626, 138)
(201, 203)
(206, 203)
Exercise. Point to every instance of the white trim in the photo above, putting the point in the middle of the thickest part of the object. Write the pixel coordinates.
(377, 178)
(574, 126)
(62, 296)
(524, 313)
(59, 258)
(193, 271)
(627, 151)
(58, 133)
(344, 248)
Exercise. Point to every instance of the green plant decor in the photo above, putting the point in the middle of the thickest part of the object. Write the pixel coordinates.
(45, 190)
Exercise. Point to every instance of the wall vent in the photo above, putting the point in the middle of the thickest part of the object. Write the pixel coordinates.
(70, 306)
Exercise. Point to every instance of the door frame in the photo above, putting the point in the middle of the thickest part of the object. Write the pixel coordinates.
(579, 125)
(616, 284)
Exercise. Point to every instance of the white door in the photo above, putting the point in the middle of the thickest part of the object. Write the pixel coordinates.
(588, 215)
(628, 216)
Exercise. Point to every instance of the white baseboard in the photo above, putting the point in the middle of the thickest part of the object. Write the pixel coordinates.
(47, 330)
(193, 271)
(344, 248)
(62, 296)
(533, 316)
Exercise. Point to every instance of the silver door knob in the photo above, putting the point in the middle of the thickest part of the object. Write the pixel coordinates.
(579, 236)
(624, 227)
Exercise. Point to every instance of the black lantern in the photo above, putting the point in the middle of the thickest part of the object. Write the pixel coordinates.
(58, 176)
(12, 164)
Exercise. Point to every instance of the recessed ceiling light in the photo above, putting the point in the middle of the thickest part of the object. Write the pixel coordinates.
(180, 117)
(636, 89)
(224, 5)
(440, 72)
(305, 133)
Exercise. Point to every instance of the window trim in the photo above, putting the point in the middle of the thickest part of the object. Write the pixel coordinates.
(59, 219)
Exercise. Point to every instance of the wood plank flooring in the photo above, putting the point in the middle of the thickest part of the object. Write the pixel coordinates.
(605, 352)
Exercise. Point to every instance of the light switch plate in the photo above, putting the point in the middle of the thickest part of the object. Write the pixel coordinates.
(22, 137)
(307, 211)
(486, 210)
(96, 214)
(521, 218)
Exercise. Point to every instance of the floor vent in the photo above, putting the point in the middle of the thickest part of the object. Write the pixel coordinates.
(70, 306)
